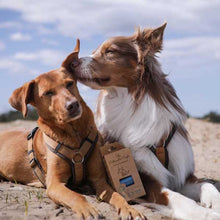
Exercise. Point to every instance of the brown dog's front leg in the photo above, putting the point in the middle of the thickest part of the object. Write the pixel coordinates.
(58, 172)
(61, 195)
(124, 210)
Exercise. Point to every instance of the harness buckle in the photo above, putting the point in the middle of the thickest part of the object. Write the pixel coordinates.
(78, 157)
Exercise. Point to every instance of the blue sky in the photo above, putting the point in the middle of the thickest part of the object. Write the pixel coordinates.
(35, 36)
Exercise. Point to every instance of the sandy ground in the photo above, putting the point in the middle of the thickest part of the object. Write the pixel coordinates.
(19, 202)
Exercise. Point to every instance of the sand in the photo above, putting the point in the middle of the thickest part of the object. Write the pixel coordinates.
(19, 202)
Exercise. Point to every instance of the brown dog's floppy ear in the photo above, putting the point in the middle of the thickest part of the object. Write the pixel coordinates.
(71, 58)
(77, 47)
(21, 97)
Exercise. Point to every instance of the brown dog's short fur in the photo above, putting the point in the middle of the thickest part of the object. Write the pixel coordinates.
(50, 94)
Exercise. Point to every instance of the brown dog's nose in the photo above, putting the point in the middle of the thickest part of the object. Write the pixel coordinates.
(73, 107)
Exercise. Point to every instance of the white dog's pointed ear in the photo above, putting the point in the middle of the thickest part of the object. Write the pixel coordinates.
(155, 37)
(148, 40)
(21, 97)
(72, 57)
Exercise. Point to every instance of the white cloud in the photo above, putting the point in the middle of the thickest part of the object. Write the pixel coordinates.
(187, 50)
(18, 36)
(10, 64)
(49, 42)
(14, 67)
(191, 57)
(2, 45)
(25, 56)
(46, 57)
(88, 18)
(45, 30)
(10, 24)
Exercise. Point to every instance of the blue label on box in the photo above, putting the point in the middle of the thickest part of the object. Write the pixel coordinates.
(128, 181)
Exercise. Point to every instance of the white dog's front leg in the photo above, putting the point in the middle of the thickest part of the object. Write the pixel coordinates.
(184, 208)
(210, 197)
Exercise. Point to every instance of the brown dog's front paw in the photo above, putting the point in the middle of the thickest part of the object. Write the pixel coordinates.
(87, 211)
(129, 213)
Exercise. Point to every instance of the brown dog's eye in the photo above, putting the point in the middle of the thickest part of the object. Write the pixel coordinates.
(49, 93)
(69, 84)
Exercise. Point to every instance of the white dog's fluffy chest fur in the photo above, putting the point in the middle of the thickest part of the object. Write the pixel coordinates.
(143, 126)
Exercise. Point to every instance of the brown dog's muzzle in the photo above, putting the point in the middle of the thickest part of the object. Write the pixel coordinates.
(73, 108)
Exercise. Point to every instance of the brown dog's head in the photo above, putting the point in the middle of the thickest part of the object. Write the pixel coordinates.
(54, 94)
(120, 61)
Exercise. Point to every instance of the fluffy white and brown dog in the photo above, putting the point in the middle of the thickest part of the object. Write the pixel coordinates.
(139, 108)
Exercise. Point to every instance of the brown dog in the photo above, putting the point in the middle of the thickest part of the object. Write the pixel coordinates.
(65, 118)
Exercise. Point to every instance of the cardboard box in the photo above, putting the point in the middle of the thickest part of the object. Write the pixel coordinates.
(122, 171)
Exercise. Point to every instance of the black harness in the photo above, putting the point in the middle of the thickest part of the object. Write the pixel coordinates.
(77, 161)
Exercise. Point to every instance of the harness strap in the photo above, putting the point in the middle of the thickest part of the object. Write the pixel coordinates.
(75, 157)
(33, 161)
(81, 155)
(167, 141)
(161, 151)
(59, 149)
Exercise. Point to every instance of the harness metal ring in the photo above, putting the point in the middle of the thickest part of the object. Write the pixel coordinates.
(78, 157)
